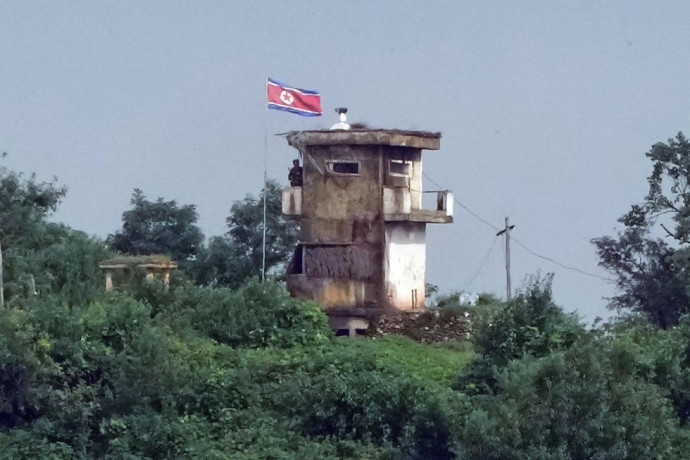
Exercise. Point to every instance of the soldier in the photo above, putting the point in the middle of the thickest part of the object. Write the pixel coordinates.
(295, 176)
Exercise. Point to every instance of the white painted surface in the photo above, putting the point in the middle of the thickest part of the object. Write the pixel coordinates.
(405, 264)
(449, 203)
(292, 201)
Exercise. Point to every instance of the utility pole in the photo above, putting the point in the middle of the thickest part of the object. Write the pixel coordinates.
(506, 231)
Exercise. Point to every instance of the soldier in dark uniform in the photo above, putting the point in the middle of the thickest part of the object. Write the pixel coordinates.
(295, 176)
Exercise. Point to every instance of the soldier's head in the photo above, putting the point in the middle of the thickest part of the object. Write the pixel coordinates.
(295, 162)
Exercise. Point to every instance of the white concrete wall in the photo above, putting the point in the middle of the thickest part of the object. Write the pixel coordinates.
(292, 201)
(405, 264)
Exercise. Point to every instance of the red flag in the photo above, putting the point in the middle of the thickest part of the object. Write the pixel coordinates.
(303, 102)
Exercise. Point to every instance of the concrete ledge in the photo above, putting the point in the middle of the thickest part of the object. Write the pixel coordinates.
(392, 137)
(430, 217)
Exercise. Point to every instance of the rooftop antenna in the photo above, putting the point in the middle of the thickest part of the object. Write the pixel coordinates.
(342, 124)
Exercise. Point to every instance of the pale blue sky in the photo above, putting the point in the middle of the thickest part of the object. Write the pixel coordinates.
(546, 110)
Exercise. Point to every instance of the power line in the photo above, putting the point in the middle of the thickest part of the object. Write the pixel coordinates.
(560, 264)
(485, 259)
(549, 259)
(460, 204)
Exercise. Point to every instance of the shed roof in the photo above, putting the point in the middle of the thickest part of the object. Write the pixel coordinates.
(128, 261)
(391, 137)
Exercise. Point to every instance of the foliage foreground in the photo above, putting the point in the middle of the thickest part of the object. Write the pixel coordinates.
(251, 373)
(213, 373)
(208, 373)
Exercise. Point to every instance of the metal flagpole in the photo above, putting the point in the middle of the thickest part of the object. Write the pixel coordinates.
(263, 252)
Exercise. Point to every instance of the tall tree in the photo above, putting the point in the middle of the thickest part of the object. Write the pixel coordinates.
(653, 273)
(245, 229)
(40, 256)
(230, 259)
(158, 227)
(24, 204)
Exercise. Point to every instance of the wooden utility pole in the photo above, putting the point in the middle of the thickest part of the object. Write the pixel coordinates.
(507, 230)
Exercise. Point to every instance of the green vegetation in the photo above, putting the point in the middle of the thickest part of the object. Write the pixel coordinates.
(652, 273)
(197, 370)
(159, 227)
(163, 227)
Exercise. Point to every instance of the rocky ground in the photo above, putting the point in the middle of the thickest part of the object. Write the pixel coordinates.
(428, 326)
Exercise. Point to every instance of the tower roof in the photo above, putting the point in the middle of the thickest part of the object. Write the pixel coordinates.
(391, 137)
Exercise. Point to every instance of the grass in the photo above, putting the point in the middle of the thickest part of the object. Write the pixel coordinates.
(436, 364)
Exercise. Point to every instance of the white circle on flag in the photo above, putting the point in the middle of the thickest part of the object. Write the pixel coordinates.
(287, 97)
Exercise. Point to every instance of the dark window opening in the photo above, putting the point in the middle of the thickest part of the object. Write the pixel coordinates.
(399, 167)
(342, 332)
(344, 167)
(297, 263)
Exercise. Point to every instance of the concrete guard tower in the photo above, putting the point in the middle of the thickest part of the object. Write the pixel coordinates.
(362, 249)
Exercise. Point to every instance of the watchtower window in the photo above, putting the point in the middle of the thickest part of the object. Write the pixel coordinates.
(344, 167)
(399, 167)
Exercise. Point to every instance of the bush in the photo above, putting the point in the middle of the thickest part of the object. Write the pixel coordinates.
(662, 357)
(341, 394)
(529, 325)
(580, 403)
(256, 315)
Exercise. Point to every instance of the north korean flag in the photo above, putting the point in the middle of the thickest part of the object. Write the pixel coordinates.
(303, 102)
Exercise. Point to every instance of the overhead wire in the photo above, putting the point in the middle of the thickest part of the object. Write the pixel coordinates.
(482, 264)
(575, 269)
(460, 204)
(549, 259)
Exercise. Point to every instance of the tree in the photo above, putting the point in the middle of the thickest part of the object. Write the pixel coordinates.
(584, 402)
(221, 264)
(158, 227)
(230, 259)
(530, 324)
(652, 273)
(24, 205)
(245, 229)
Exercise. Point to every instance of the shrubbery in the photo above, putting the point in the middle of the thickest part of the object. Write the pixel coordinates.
(255, 315)
(149, 371)
(544, 387)
(529, 325)
(578, 403)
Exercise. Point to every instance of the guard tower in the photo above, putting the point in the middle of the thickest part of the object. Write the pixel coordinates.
(362, 249)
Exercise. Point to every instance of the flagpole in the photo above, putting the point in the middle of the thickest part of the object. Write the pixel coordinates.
(263, 251)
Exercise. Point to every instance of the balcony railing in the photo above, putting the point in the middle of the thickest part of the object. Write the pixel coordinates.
(397, 206)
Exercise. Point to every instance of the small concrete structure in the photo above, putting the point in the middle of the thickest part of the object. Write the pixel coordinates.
(362, 249)
(153, 265)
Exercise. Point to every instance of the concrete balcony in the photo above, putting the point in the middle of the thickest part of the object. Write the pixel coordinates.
(397, 207)
(292, 202)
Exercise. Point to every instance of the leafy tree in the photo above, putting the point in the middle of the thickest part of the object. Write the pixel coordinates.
(39, 256)
(24, 205)
(62, 262)
(221, 264)
(652, 273)
(531, 324)
(585, 402)
(245, 229)
(255, 315)
(158, 227)
(661, 356)
(232, 258)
